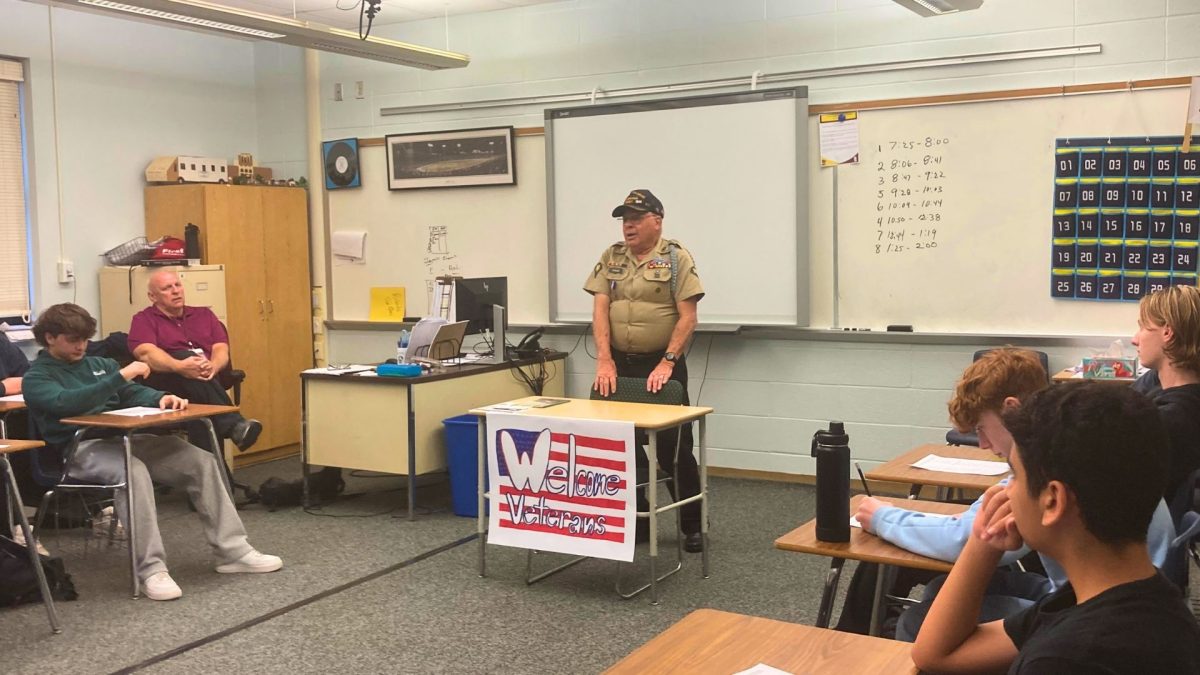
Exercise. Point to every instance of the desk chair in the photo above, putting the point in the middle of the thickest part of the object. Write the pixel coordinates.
(31, 545)
(629, 390)
(1184, 545)
(230, 379)
(50, 469)
(633, 390)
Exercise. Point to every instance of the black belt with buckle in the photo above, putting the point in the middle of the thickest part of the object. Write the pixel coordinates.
(633, 359)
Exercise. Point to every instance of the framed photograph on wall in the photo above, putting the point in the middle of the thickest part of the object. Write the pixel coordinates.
(451, 159)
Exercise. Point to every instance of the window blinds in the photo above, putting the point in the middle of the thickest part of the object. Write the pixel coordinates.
(14, 252)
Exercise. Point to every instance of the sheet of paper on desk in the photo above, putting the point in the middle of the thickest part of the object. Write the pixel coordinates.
(15, 398)
(762, 669)
(338, 370)
(507, 407)
(137, 411)
(974, 467)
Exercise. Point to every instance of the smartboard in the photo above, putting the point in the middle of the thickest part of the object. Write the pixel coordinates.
(731, 174)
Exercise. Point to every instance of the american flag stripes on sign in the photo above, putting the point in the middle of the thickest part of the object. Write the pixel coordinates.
(563, 485)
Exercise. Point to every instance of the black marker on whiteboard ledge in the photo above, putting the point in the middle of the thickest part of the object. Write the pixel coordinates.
(899, 328)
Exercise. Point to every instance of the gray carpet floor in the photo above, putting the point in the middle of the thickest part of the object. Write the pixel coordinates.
(364, 589)
(423, 609)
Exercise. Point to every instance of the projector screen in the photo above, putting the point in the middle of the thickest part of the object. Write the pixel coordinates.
(730, 171)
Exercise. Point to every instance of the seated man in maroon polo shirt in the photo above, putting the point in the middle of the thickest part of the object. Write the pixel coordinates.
(186, 348)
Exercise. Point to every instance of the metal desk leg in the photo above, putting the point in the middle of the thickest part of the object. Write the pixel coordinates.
(703, 497)
(412, 458)
(131, 526)
(831, 583)
(219, 455)
(652, 497)
(881, 581)
(481, 515)
(304, 445)
(14, 500)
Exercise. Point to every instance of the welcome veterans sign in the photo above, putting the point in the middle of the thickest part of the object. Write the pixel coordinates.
(563, 485)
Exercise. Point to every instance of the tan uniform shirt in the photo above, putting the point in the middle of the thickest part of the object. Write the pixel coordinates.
(642, 314)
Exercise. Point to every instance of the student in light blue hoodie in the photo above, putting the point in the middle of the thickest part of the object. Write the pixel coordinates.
(997, 381)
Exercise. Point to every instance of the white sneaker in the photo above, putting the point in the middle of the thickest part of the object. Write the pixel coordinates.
(160, 586)
(252, 563)
(19, 537)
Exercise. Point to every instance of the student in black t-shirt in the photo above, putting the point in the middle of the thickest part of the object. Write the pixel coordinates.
(1089, 465)
(1168, 342)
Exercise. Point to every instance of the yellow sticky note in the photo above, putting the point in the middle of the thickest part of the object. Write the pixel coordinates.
(387, 303)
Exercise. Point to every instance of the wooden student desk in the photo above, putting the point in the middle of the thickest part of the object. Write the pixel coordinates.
(900, 469)
(865, 547)
(129, 425)
(712, 641)
(14, 504)
(6, 409)
(394, 424)
(649, 417)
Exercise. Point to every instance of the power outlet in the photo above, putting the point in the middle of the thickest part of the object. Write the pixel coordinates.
(66, 271)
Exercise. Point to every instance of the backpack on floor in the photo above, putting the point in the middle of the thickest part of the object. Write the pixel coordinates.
(18, 581)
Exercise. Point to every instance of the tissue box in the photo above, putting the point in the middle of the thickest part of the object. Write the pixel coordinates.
(1109, 367)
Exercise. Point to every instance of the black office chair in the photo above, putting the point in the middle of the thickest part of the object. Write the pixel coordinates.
(956, 437)
(231, 379)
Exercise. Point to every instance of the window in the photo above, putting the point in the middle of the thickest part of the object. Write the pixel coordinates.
(14, 226)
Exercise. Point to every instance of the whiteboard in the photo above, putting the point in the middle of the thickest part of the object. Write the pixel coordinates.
(987, 268)
(415, 235)
(730, 172)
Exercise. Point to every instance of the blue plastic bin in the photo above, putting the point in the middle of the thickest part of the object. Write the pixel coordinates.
(462, 447)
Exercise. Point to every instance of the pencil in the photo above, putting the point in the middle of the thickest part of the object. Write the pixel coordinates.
(863, 478)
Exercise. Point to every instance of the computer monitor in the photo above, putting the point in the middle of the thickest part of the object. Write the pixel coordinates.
(475, 299)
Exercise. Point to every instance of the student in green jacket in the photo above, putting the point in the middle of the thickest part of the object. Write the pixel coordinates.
(64, 382)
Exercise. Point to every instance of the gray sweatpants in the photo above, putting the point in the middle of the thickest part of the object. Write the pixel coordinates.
(168, 460)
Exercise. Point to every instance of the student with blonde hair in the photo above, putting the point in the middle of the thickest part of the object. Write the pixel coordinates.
(1168, 342)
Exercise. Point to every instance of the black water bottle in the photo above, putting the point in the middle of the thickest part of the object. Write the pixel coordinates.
(832, 450)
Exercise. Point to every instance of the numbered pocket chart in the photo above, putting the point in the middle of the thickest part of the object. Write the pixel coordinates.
(1126, 217)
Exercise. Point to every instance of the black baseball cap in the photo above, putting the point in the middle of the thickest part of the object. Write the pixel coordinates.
(639, 200)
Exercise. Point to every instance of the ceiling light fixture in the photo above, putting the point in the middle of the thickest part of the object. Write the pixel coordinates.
(939, 7)
(156, 14)
(230, 21)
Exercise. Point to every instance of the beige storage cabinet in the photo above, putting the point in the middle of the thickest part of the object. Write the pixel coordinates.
(260, 235)
(123, 292)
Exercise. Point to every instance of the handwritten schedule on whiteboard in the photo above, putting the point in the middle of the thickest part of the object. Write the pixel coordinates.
(1126, 217)
(910, 193)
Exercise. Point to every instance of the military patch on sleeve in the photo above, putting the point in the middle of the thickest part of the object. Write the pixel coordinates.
(596, 271)
(695, 271)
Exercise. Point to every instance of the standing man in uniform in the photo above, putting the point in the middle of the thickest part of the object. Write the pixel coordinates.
(645, 290)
